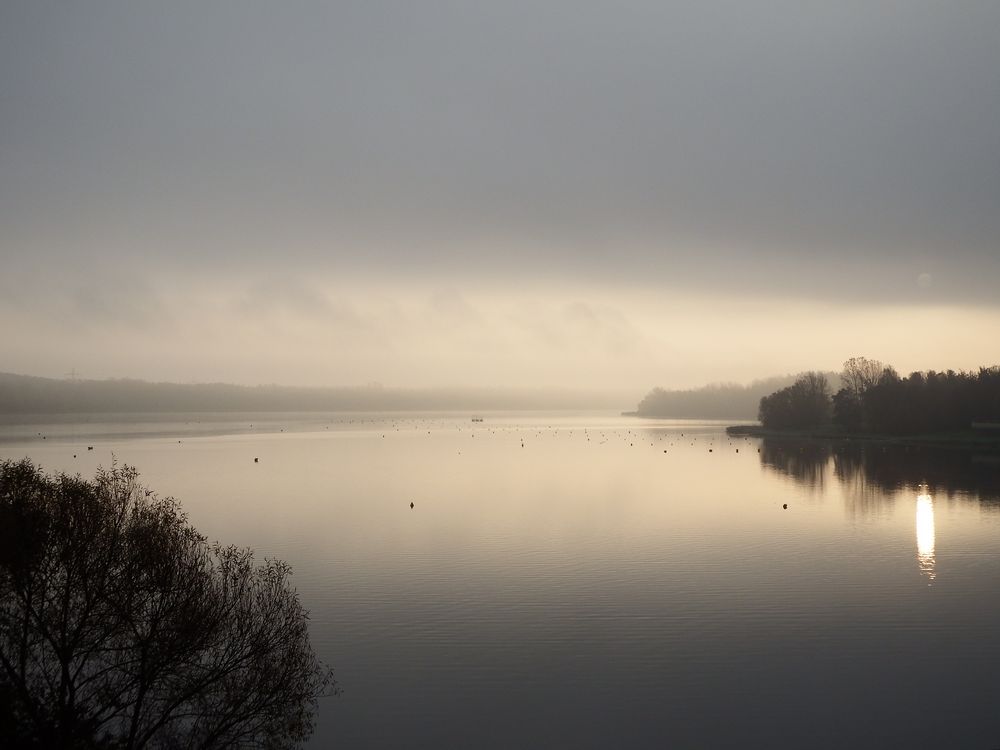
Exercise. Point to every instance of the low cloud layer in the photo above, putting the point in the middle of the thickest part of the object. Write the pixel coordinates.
(442, 192)
(313, 332)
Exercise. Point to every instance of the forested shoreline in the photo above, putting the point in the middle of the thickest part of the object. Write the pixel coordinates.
(875, 400)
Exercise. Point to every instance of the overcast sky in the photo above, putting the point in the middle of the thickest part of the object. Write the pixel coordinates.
(619, 194)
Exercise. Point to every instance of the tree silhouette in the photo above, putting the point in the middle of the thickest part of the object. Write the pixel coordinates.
(922, 402)
(806, 403)
(860, 374)
(120, 626)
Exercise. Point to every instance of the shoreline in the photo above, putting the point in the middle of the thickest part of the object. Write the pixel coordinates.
(641, 415)
(965, 439)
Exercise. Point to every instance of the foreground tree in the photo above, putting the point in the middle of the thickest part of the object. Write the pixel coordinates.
(121, 627)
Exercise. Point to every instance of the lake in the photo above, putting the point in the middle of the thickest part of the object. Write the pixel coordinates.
(595, 581)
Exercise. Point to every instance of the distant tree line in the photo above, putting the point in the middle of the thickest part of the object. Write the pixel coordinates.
(25, 394)
(714, 401)
(876, 399)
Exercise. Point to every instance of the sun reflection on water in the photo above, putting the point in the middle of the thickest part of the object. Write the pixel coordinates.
(925, 533)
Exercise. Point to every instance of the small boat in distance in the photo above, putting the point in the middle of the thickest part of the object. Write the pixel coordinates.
(477, 419)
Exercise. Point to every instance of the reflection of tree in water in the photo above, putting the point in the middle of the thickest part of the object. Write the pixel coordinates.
(871, 473)
(946, 472)
(864, 495)
(803, 461)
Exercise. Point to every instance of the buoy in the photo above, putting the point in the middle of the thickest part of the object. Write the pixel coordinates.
(411, 505)
(785, 506)
(256, 460)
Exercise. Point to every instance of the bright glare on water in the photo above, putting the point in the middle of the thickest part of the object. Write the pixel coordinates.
(599, 581)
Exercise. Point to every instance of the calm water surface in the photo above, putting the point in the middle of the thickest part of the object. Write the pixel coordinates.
(599, 581)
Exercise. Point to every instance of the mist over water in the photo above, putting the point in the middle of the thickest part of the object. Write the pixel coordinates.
(279, 255)
(590, 580)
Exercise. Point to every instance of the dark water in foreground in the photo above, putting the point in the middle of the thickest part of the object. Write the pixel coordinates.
(614, 582)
